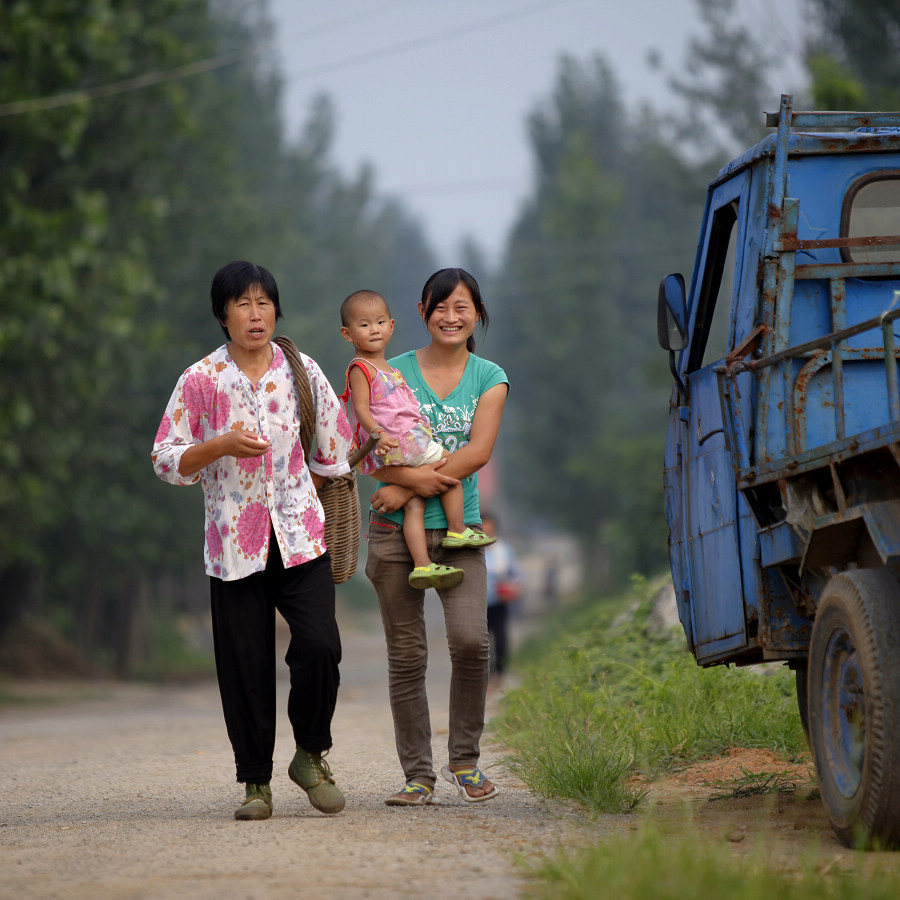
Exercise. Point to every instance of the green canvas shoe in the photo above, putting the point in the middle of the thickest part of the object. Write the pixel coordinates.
(313, 774)
(257, 805)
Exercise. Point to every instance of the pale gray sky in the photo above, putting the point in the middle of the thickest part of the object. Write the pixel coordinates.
(435, 95)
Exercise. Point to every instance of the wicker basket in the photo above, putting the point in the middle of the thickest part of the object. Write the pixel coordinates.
(339, 496)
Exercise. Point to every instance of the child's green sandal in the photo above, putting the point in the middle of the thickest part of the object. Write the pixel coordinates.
(467, 538)
(435, 576)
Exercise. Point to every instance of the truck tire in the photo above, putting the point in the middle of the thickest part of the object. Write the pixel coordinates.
(853, 683)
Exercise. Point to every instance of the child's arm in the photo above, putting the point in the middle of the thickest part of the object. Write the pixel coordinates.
(435, 479)
(359, 399)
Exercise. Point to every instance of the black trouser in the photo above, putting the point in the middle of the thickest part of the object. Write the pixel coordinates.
(497, 620)
(243, 619)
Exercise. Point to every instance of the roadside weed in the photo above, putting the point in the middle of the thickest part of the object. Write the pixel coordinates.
(753, 783)
(649, 865)
(604, 701)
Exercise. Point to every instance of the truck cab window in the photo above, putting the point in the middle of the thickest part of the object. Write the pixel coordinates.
(710, 340)
(872, 209)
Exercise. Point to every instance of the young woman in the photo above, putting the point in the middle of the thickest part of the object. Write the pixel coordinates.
(381, 404)
(233, 424)
(463, 396)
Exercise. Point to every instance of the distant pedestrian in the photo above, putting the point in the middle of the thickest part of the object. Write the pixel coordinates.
(233, 424)
(551, 584)
(504, 588)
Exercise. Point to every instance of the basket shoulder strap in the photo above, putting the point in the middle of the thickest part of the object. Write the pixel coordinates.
(307, 410)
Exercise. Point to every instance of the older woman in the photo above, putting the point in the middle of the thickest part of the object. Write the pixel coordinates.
(233, 424)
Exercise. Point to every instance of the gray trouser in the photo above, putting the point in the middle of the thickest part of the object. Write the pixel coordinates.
(403, 617)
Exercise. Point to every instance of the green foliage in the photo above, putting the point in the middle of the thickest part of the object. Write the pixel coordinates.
(854, 54)
(116, 212)
(575, 319)
(616, 206)
(725, 80)
(653, 865)
(609, 698)
(170, 654)
(834, 87)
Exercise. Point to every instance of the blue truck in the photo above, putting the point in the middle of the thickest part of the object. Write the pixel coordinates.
(782, 462)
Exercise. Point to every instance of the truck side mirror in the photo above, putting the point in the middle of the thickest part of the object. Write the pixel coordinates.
(671, 313)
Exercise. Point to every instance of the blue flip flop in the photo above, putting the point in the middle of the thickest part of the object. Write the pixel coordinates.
(474, 777)
(414, 793)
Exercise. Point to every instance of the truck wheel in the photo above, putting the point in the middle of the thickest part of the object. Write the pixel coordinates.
(853, 682)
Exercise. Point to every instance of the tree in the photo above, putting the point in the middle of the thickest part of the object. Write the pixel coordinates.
(726, 83)
(852, 54)
(117, 209)
(576, 319)
(73, 279)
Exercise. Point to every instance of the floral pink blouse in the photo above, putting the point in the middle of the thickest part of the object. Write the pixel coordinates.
(245, 498)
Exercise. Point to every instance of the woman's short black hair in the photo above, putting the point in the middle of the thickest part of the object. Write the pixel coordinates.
(442, 284)
(232, 280)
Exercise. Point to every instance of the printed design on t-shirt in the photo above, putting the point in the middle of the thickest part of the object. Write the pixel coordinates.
(452, 424)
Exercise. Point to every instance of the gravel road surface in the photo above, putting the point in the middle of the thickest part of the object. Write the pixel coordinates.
(126, 792)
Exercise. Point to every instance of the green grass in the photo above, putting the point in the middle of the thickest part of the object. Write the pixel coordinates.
(650, 865)
(602, 701)
(171, 656)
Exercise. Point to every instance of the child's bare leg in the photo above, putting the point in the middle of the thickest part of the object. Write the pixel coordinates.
(414, 531)
(452, 502)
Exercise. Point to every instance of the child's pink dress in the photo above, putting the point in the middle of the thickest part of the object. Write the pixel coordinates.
(393, 406)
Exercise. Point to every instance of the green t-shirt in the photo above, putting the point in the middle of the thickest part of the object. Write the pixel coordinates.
(451, 422)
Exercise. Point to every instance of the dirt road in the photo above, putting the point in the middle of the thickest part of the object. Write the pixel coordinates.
(125, 792)
(128, 792)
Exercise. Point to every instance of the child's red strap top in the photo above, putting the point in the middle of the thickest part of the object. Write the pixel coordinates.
(345, 397)
(360, 364)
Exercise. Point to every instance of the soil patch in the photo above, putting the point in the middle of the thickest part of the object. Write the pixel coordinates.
(761, 805)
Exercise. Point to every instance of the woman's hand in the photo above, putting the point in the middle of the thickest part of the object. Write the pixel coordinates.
(426, 481)
(406, 482)
(243, 444)
(240, 444)
(390, 498)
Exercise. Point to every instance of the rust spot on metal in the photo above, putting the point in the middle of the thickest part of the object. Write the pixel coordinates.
(791, 243)
(749, 345)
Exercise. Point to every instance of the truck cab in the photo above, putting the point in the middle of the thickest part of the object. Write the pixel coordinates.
(782, 463)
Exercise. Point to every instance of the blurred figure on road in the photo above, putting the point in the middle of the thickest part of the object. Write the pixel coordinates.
(504, 588)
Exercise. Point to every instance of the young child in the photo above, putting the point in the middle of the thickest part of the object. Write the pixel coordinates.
(383, 405)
